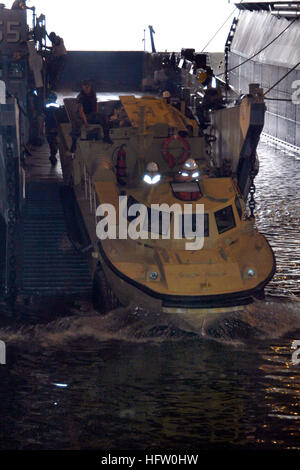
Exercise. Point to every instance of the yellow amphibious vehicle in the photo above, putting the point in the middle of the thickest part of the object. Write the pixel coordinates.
(161, 155)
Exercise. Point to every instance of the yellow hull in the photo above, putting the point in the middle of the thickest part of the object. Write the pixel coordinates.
(178, 300)
(235, 261)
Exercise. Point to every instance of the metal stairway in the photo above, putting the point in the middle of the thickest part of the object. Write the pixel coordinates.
(50, 265)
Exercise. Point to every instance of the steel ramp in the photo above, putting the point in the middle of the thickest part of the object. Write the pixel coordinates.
(50, 264)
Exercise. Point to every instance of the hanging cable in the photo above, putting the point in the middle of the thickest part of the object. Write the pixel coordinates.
(279, 99)
(282, 78)
(262, 49)
(211, 39)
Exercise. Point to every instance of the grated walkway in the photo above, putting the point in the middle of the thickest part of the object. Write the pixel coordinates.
(50, 263)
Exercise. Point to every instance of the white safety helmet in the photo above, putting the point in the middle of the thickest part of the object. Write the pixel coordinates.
(190, 164)
(152, 167)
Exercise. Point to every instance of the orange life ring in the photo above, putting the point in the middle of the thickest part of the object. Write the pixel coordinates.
(170, 159)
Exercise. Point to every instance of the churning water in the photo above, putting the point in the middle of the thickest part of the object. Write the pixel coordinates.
(137, 379)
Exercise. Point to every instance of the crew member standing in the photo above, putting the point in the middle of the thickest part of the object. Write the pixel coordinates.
(20, 5)
(51, 126)
(87, 100)
(56, 60)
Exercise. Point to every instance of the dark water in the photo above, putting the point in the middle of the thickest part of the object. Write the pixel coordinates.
(143, 380)
(278, 215)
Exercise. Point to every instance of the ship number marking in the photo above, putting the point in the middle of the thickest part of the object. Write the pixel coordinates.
(296, 93)
(12, 31)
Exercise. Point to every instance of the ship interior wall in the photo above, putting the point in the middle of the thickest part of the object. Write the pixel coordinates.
(109, 70)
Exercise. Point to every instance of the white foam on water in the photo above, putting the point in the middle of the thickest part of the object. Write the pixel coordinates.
(260, 320)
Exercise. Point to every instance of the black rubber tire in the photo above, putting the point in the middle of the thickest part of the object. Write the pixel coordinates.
(104, 299)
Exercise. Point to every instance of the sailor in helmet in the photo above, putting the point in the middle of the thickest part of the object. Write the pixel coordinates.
(189, 171)
(152, 175)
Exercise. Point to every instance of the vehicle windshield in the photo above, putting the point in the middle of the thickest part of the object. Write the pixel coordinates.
(225, 219)
(159, 221)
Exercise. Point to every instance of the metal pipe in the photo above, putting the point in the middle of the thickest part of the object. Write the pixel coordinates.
(90, 195)
(95, 206)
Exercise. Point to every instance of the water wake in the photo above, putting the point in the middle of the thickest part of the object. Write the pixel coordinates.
(260, 320)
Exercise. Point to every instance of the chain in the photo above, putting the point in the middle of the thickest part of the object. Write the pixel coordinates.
(252, 192)
(227, 50)
(210, 138)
